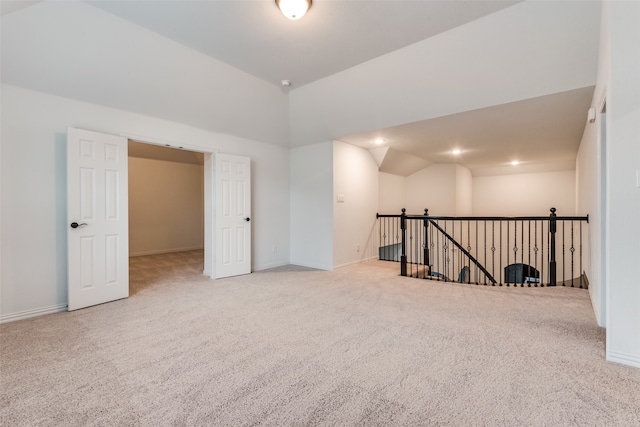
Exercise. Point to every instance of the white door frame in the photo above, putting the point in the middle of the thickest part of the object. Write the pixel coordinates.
(209, 187)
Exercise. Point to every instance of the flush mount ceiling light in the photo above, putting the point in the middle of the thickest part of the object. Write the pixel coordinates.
(515, 163)
(294, 9)
(456, 152)
(379, 141)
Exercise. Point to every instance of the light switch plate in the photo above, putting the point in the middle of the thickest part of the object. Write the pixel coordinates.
(340, 198)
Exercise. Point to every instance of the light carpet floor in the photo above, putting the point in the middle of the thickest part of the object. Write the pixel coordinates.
(291, 346)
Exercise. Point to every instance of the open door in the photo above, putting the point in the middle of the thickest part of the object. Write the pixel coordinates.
(97, 214)
(232, 215)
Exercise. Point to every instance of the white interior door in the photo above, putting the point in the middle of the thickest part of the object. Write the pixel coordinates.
(97, 213)
(233, 215)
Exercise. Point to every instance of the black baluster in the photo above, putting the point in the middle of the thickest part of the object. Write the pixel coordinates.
(508, 250)
(445, 255)
(515, 251)
(500, 246)
(580, 254)
(469, 249)
(416, 253)
(477, 246)
(564, 258)
(542, 263)
(484, 261)
(386, 235)
(387, 238)
(432, 248)
(418, 241)
(409, 248)
(493, 250)
(572, 250)
(398, 230)
(438, 264)
(535, 251)
(522, 251)
(468, 260)
(529, 251)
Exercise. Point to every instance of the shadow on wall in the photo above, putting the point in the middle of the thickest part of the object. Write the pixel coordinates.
(60, 150)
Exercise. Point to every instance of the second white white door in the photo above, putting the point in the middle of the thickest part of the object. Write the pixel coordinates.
(232, 215)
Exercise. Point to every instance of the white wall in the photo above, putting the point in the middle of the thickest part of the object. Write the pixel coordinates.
(623, 153)
(433, 188)
(432, 78)
(591, 179)
(530, 194)
(589, 202)
(614, 210)
(166, 206)
(464, 191)
(75, 50)
(34, 124)
(312, 206)
(355, 180)
(391, 197)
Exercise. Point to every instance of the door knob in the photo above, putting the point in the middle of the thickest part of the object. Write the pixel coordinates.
(247, 219)
(76, 225)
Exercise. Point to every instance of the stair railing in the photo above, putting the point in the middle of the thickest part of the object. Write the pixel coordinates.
(486, 250)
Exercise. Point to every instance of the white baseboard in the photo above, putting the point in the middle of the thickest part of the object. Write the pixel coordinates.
(317, 267)
(268, 266)
(32, 313)
(625, 359)
(360, 261)
(164, 251)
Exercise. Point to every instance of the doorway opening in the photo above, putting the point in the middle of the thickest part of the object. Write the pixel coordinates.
(166, 215)
(98, 214)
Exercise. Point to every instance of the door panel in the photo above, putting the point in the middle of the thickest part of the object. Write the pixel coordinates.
(233, 215)
(98, 246)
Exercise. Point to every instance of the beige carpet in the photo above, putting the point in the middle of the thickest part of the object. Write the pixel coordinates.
(293, 346)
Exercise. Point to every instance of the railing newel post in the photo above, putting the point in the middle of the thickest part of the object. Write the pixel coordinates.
(427, 261)
(552, 249)
(403, 255)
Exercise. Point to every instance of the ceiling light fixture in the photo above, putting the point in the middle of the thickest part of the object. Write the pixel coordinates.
(515, 163)
(379, 141)
(457, 152)
(293, 9)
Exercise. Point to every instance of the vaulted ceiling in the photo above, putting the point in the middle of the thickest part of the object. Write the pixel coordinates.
(333, 36)
(500, 80)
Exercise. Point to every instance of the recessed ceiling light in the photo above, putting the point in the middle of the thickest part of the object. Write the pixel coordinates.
(457, 151)
(379, 141)
(515, 163)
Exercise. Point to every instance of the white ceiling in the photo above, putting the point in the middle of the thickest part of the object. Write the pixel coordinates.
(8, 6)
(543, 132)
(333, 36)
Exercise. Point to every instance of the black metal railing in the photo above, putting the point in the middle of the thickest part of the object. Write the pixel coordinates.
(532, 251)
